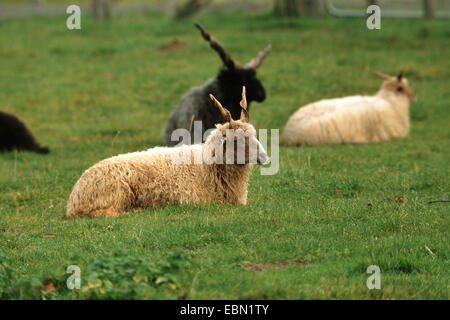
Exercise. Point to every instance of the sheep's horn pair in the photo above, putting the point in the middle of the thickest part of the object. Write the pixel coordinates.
(226, 57)
(245, 117)
(385, 76)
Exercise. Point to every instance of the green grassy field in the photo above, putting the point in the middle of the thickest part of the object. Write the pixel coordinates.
(107, 89)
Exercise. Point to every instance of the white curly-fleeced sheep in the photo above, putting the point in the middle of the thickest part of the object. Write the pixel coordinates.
(157, 177)
(357, 119)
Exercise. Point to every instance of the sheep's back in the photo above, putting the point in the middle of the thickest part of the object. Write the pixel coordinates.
(195, 102)
(147, 179)
(355, 119)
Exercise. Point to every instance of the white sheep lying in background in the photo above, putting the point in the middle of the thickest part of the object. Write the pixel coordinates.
(153, 179)
(357, 119)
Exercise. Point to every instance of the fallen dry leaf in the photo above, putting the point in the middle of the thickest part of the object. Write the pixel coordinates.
(48, 286)
(432, 254)
(49, 236)
(174, 44)
(337, 191)
(16, 229)
(400, 200)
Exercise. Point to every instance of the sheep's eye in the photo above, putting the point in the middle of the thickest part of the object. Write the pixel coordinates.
(399, 89)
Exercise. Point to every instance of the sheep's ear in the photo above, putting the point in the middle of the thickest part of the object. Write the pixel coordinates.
(378, 74)
(225, 113)
(400, 74)
(256, 62)
(245, 117)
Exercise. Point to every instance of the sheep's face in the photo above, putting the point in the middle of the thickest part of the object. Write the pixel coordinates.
(235, 142)
(399, 86)
(234, 79)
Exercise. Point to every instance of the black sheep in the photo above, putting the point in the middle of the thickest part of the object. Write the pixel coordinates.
(226, 87)
(14, 134)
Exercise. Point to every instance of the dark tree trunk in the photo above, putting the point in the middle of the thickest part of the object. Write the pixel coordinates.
(191, 7)
(287, 8)
(313, 8)
(428, 8)
(101, 9)
(296, 8)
